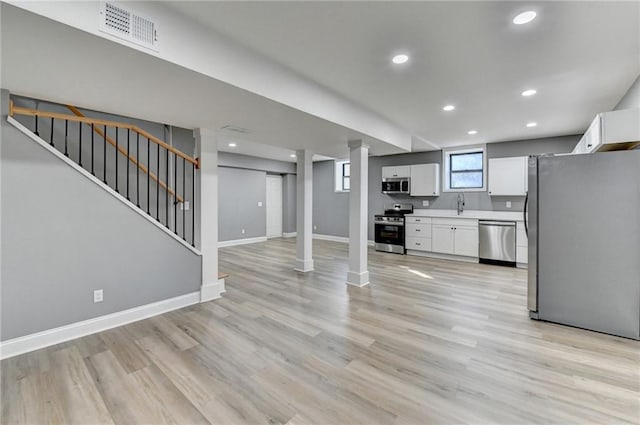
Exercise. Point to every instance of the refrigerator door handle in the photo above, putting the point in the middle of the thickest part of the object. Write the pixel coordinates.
(524, 214)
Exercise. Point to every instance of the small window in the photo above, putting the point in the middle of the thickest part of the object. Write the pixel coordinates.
(343, 176)
(464, 169)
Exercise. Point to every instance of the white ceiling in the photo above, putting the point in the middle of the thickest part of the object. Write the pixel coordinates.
(581, 57)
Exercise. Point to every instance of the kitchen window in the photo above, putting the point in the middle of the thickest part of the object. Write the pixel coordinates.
(342, 176)
(464, 169)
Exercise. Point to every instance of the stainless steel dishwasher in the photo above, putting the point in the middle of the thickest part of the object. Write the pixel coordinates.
(497, 242)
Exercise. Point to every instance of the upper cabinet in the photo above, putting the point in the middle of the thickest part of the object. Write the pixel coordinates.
(425, 180)
(508, 176)
(615, 130)
(397, 171)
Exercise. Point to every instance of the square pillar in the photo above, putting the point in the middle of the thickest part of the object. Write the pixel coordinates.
(207, 219)
(358, 275)
(304, 217)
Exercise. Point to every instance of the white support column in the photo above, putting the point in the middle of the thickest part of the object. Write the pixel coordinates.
(304, 205)
(207, 193)
(358, 274)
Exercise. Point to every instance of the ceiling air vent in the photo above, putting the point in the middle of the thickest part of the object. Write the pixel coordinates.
(123, 23)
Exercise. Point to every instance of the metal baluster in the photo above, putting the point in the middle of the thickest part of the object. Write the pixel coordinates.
(148, 171)
(193, 209)
(66, 133)
(51, 140)
(158, 183)
(128, 152)
(36, 132)
(183, 200)
(166, 195)
(175, 188)
(116, 157)
(138, 169)
(104, 156)
(92, 139)
(79, 143)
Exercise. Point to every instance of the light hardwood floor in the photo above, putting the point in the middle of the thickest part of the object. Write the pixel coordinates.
(429, 341)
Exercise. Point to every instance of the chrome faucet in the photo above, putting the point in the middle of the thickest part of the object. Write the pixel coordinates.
(460, 203)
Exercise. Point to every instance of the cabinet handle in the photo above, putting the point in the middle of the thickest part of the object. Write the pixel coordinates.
(417, 220)
(417, 230)
(434, 193)
(417, 243)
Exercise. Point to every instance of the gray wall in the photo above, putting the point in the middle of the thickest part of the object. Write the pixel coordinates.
(331, 209)
(182, 139)
(631, 99)
(242, 184)
(63, 237)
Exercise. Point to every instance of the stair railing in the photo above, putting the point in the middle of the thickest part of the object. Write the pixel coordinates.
(173, 160)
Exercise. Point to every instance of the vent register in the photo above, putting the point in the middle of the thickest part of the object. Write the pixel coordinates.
(123, 23)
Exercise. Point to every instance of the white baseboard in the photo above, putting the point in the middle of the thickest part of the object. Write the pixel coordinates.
(341, 239)
(303, 266)
(100, 183)
(289, 235)
(357, 279)
(24, 344)
(242, 241)
(212, 291)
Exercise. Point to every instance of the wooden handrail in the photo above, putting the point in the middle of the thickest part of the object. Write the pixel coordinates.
(134, 160)
(19, 110)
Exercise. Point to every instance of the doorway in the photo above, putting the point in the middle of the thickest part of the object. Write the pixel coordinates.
(274, 206)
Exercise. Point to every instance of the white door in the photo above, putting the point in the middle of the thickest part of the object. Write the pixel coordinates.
(442, 238)
(466, 241)
(274, 206)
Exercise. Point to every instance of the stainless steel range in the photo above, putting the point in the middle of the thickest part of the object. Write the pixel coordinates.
(389, 228)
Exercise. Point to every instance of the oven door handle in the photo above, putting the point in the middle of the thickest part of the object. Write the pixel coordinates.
(389, 223)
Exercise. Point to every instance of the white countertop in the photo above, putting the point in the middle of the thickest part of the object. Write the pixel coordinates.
(473, 214)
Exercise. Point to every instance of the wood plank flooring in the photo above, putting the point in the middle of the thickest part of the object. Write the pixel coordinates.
(428, 342)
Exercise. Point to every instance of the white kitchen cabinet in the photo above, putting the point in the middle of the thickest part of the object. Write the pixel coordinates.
(418, 233)
(442, 238)
(581, 146)
(508, 176)
(522, 244)
(418, 230)
(465, 241)
(397, 171)
(425, 180)
(455, 236)
(612, 130)
(418, 244)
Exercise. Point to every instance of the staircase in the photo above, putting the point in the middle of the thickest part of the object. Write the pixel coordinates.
(151, 175)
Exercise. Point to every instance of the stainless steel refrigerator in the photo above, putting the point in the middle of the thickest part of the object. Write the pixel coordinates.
(584, 241)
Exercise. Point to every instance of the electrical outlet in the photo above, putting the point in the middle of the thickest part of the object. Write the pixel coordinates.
(425, 203)
(242, 231)
(98, 296)
(508, 204)
(259, 203)
(184, 205)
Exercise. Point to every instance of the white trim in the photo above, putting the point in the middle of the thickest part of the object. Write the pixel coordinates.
(289, 235)
(212, 291)
(332, 238)
(358, 279)
(246, 241)
(341, 239)
(101, 184)
(303, 266)
(38, 340)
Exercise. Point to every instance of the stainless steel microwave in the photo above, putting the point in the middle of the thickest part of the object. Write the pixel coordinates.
(396, 185)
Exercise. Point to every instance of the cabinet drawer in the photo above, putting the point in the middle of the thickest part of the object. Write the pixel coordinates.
(423, 220)
(418, 230)
(522, 254)
(418, 244)
(453, 222)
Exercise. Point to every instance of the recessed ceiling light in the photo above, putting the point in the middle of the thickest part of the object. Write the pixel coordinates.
(472, 132)
(449, 108)
(400, 59)
(293, 155)
(524, 17)
(232, 145)
(529, 92)
(532, 124)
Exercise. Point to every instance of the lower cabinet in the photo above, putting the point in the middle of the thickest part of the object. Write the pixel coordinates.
(418, 244)
(457, 237)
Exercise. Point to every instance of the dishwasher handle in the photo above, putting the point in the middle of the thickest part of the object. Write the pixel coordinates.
(497, 223)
